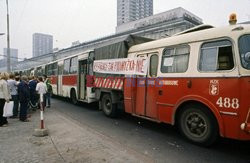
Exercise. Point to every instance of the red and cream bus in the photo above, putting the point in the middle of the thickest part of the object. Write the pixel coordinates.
(198, 80)
(68, 77)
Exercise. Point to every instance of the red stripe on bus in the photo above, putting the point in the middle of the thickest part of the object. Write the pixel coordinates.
(53, 79)
(69, 80)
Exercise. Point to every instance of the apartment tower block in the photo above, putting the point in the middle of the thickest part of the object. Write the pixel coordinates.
(131, 10)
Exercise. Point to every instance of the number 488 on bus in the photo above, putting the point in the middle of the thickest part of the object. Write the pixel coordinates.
(228, 102)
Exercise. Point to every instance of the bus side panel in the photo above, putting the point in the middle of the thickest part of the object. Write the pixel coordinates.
(129, 95)
(54, 84)
(222, 93)
(171, 91)
(140, 97)
(69, 80)
(151, 98)
(227, 101)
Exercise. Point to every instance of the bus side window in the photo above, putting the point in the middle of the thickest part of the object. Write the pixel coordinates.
(66, 66)
(175, 59)
(55, 68)
(60, 69)
(48, 67)
(153, 65)
(73, 65)
(51, 69)
(216, 56)
(244, 42)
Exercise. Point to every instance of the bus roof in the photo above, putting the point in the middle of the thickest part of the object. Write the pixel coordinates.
(195, 36)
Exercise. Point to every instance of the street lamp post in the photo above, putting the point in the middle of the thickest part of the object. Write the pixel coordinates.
(8, 38)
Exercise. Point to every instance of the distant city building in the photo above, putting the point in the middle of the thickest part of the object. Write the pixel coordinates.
(161, 25)
(131, 10)
(13, 58)
(13, 55)
(42, 44)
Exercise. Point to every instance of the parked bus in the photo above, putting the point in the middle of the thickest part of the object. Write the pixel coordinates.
(198, 80)
(68, 77)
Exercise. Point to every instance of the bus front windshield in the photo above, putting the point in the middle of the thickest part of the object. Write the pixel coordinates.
(244, 47)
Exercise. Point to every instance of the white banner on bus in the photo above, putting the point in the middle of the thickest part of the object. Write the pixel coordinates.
(126, 66)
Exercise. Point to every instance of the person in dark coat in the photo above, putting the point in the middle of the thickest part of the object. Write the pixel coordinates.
(24, 97)
(33, 94)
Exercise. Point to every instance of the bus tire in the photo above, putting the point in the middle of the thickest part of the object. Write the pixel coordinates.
(73, 97)
(198, 124)
(108, 108)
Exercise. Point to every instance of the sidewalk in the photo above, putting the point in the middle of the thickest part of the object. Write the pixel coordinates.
(68, 141)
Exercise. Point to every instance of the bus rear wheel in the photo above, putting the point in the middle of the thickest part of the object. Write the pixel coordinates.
(198, 125)
(73, 97)
(109, 109)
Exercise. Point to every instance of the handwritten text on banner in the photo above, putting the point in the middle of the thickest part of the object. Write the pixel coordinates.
(125, 66)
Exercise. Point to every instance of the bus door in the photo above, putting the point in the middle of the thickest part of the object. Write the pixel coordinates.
(82, 79)
(59, 79)
(146, 93)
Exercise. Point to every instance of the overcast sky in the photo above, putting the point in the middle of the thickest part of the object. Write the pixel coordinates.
(83, 20)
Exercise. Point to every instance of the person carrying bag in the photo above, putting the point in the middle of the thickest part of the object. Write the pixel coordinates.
(4, 97)
(8, 109)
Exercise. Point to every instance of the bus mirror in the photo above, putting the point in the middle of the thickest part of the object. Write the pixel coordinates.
(247, 57)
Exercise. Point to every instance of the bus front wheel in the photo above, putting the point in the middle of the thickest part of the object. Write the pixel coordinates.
(198, 124)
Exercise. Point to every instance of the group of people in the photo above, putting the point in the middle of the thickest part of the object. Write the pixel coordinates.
(24, 92)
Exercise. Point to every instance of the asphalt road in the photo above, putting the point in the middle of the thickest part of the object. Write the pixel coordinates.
(161, 142)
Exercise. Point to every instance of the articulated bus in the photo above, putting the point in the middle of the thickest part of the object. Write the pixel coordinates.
(68, 77)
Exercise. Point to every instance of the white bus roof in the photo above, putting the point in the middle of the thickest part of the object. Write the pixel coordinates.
(206, 34)
(70, 56)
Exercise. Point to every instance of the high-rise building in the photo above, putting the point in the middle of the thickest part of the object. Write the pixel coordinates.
(13, 55)
(42, 44)
(131, 10)
(13, 58)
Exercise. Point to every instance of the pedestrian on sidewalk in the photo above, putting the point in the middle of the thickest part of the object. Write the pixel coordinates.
(33, 94)
(4, 97)
(41, 89)
(17, 78)
(14, 96)
(47, 81)
(24, 97)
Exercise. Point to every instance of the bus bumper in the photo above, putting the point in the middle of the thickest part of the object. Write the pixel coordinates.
(246, 125)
